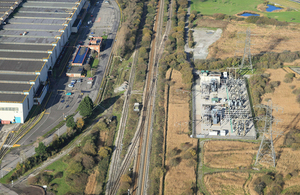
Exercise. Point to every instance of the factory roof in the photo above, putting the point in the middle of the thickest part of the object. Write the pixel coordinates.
(23, 56)
(31, 27)
(29, 48)
(30, 40)
(12, 97)
(17, 78)
(27, 40)
(14, 87)
(39, 21)
(25, 67)
(45, 10)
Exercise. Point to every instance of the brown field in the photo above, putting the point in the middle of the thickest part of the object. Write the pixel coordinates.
(249, 186)
(226, 183)
(178, 179)
(229, 154)
(264, 39)
(91, 184)
(287, 159)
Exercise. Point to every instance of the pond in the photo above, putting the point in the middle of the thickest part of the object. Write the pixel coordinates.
(272, 8)
(249, 14)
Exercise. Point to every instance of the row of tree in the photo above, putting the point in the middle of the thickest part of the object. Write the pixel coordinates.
(174, 57)
(132, 11)
(260, 61)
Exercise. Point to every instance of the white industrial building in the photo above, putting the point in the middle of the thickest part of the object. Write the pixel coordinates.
(30, 43)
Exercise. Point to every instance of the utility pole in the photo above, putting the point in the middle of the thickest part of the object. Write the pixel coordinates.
(22, 156)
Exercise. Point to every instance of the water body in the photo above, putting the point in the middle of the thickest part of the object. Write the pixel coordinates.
(249, 14)
(272, 8)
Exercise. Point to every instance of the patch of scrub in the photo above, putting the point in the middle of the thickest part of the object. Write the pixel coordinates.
(204, 38)
(273, 8)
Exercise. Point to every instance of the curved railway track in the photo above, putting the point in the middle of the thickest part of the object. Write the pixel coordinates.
(14, 138)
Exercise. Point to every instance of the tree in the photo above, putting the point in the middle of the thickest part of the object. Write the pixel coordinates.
(104, 151)
(41, 150)
(70, 122)
(74, 167)
(89, 148)
(88, 161)
(80, 123)
(86, 107)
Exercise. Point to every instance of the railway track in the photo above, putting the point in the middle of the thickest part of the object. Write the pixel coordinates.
(143, 134)
(58, 156)
(13, 138)
(115, 163)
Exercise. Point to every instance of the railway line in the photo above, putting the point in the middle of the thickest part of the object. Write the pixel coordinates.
(143, 134)
(115, 163)
(13, 138)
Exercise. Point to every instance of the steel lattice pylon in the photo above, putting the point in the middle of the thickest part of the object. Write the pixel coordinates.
(266, 153)
(247, 51)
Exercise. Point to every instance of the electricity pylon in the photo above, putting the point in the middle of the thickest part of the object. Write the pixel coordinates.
(266, 152)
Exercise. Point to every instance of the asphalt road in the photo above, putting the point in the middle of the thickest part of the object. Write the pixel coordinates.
(106, 18)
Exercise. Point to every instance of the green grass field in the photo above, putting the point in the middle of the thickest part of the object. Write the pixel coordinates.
(229, 7)
(59, 166)
(232, 7)
(285, 16)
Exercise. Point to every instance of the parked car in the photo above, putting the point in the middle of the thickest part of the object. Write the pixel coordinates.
(78, 80)
(73, 82)
(90, 78)
(70, 85)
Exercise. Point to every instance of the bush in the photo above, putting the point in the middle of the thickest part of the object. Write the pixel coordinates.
(185, 146)
(191, 163)
(292, 86)
(175, 161)
(45, 179)
(296, 91)
(173, 152)
(77, 181)
(219, 16)
(288, 78)
(289, 75)
(295, 173)
(269, 89)
(71, 123)
(275, 83)
(260, 188)
(58, 175)
(298, 99)
(54, 186)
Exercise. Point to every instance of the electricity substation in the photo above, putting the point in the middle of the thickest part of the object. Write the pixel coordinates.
(222, 107)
